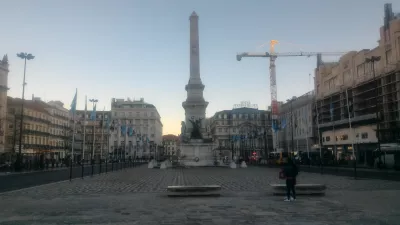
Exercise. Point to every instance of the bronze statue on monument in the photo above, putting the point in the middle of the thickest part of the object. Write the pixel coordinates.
(196, 126)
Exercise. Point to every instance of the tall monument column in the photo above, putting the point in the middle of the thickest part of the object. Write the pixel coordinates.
(195, 105)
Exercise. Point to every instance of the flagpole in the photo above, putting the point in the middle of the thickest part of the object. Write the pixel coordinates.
(84, 132)
(102, 135)
(73, 108)
(351, 131)
(73, 137)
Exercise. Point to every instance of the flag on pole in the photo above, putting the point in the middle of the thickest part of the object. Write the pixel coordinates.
(331, 111)
(93, 114)
(73, 103)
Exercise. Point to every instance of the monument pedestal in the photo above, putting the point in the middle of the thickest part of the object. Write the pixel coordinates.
(197, 153)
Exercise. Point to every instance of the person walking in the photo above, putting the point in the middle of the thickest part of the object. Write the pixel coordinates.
(290, 172)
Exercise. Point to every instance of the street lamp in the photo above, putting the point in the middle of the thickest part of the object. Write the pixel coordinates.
(93, 101)
(25, 56)
(372, 60)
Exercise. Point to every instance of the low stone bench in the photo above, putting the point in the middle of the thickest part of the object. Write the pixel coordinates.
(204, 190)
(301, 189)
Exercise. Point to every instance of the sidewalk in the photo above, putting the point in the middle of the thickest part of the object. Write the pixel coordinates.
(360, 172)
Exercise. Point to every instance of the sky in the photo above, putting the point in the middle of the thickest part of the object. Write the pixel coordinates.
(140, 48)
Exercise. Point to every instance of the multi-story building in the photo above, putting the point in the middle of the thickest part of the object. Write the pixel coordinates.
(297, 124)
(44, 132)
(171, 144)
(245, 131)
(366, 85)
(136, 128)
(3, 100)
(59, 128)
(89, 129)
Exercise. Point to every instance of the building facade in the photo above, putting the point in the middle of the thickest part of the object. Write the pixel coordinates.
(92, 135)
(364, 86)
(136, 129)
(171, 144)
(297, 124)
(45, 131)
(3, 101)
(246, 131)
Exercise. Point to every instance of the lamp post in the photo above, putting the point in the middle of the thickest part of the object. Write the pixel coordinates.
(25, 56)
(93, 101)
(372, 60)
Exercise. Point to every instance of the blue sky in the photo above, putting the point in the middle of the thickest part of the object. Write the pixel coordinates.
(132, 48)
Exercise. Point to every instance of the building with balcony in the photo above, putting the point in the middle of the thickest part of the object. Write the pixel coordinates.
(171, 144)
(136, 128)
(45, 129)
(364, 86)
(3, 101)
(245, 131)
(297, 124)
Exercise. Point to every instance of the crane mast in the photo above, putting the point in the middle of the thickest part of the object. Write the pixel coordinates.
(272, 76)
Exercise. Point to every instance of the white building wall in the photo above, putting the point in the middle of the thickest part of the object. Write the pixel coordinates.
(360, 135)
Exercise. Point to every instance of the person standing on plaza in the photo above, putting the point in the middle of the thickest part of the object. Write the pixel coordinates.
(289, 173)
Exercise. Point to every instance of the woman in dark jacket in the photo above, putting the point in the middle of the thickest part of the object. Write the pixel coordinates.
(290, 171)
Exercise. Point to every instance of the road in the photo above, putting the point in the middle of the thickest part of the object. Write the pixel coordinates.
(137, 196)
(14, 181)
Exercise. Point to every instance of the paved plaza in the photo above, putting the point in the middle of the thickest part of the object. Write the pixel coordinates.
(138, 196)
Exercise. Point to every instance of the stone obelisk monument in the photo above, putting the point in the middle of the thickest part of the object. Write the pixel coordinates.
(195, 150)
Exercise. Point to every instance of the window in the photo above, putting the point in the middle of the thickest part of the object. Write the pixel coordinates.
(361, 70)
(344, 137)
(388, 57)
(219, 129)
(328, 138)
(226, 129)
(364, 135)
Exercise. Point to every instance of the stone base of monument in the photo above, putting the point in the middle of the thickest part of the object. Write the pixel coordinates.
(196, 153)
(185, 191)
(151, 164)
(166, 164)
(243, 164)
(233, 165)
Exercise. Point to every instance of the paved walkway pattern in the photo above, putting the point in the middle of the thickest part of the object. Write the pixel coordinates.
(137, 196)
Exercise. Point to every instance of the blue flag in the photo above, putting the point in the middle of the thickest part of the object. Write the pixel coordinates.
(123, 129)
(93, 114)
(73, 103)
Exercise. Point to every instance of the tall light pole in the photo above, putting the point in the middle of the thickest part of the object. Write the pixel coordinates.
(93, 101)
(25, 56)
(372, 60)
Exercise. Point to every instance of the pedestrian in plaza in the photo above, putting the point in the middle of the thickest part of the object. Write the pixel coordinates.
(290, 172)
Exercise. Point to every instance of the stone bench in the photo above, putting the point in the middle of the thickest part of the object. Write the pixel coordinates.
(301, 189)
(204, 190)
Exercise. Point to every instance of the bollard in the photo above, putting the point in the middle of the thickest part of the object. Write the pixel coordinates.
(100, 166)
(83, 167)
(92, 167)
(112, 166)
(355, 169)
(70, 170)
(106, 165)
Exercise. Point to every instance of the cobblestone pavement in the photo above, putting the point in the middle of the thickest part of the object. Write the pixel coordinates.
(137, 196)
